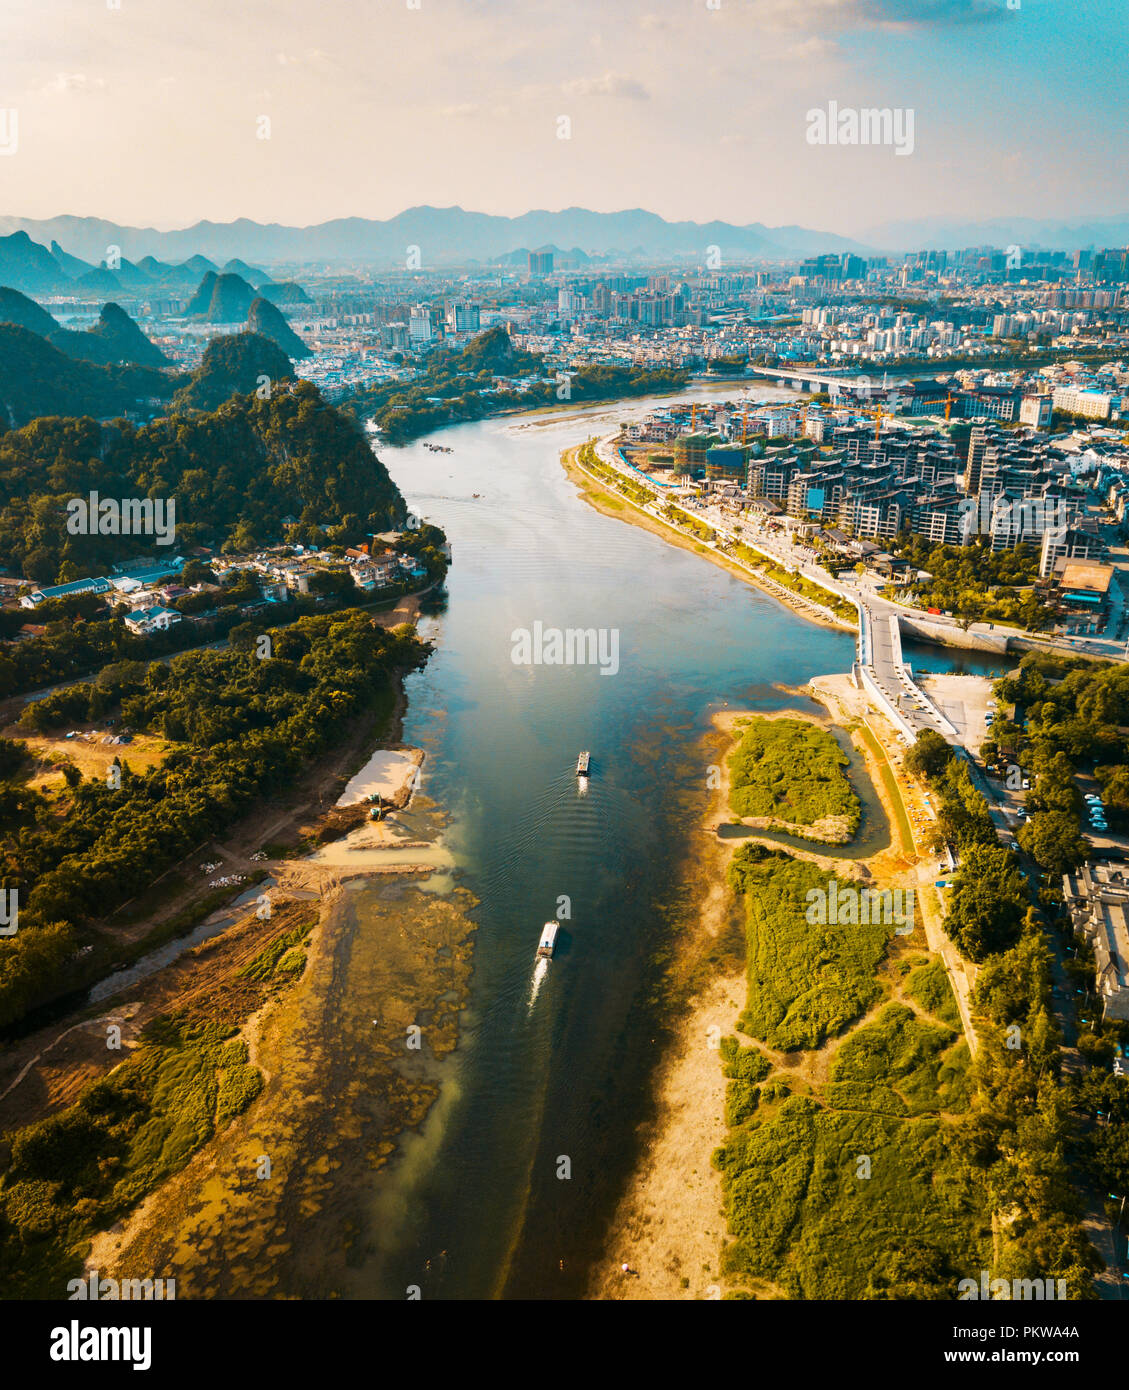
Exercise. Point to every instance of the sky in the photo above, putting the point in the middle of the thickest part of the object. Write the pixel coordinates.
(151, 112)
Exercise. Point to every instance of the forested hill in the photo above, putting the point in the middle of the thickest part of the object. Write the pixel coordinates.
(238, 475)
(36, 377)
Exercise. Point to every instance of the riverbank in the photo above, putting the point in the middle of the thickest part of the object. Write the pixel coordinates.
(670, 1227)
(319, 849)
(602, 498)
(268, 1209)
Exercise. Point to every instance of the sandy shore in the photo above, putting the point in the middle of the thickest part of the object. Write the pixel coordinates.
(670, 1229)
(389, 774)
(670, 1225)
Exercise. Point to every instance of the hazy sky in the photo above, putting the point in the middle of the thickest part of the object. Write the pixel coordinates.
(149, 113)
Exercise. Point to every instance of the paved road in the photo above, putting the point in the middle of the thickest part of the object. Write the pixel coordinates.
(880, 646)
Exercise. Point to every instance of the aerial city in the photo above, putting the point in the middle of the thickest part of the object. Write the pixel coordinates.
(564, 668)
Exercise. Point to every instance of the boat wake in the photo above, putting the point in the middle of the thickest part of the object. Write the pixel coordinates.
(540, 970)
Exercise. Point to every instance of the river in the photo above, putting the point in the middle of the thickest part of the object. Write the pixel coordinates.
(506, 1189)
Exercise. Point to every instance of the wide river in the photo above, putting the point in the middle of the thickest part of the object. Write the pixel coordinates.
(507, 1188)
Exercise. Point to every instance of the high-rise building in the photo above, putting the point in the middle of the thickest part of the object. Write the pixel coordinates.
(463, 318)
(540, 263)
(419, 326)
(977, 447)
(1035, 409)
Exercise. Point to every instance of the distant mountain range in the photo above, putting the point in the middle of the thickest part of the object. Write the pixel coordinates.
(80, 245)
(59, 252)
(443, 236)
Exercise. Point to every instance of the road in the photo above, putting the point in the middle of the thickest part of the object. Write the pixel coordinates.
(880, 653)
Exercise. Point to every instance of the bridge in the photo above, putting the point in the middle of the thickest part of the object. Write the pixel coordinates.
(880, 667)
(808, 379)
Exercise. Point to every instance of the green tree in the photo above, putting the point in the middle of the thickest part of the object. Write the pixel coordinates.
(929, 755)
(1053, 840)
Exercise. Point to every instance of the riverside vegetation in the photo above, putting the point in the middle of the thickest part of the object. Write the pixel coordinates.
(232, 726)
(240, 728)
(792, 771)
(889, 1164)
(87, 1165)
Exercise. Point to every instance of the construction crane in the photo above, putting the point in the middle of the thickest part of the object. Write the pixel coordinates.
(950, 401)
(877, 413)
(693, 416)
(745, 427)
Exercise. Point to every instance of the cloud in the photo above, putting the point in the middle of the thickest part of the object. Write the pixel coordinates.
(811, 50)
(73, 82)
(876, 14)
(612, 84)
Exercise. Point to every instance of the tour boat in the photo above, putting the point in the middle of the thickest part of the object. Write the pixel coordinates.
(548, 939)
(582, 764)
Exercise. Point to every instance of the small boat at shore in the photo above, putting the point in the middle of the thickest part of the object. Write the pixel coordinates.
(582, 764)
(548, 940)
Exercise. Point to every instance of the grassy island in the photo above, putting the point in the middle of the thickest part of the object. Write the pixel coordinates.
(790, 770)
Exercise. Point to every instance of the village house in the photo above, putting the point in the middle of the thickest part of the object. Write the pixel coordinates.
(146, 620)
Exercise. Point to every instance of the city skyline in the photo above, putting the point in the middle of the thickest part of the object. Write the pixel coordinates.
(154, 115)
